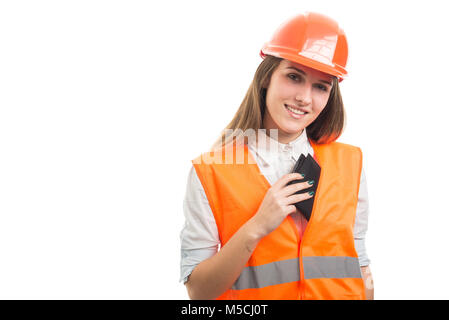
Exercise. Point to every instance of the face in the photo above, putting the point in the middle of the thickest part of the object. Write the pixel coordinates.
(296, 95)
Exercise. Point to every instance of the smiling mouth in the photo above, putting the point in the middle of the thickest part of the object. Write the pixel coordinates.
(293, 110)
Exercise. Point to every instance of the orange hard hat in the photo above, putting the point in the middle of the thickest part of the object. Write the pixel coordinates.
(311, 39)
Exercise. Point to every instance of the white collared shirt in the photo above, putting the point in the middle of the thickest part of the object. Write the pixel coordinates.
(199, 236)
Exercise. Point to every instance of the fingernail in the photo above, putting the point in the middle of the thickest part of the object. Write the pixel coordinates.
(311, 193)
(303, 175)
(311, 182)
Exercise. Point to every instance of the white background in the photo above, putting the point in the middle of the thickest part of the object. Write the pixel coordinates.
(104, 104)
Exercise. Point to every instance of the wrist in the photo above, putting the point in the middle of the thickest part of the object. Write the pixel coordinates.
(254, 233)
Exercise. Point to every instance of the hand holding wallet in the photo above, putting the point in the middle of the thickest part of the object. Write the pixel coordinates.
(312, 170)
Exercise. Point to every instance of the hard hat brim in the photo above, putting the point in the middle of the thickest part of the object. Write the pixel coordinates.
(334, 70)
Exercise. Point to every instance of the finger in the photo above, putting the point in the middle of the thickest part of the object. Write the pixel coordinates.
(295, 187)
(290, 209)
(286, 179)
(299, 197)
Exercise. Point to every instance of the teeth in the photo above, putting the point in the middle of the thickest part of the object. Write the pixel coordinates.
(294, 110)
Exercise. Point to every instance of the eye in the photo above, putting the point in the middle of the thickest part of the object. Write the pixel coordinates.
(293, 76)
(321, 87)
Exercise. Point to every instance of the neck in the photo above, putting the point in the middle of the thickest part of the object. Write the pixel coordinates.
(283, 137)
(286, 137)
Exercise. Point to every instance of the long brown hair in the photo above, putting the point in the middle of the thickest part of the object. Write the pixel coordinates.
(326, 128)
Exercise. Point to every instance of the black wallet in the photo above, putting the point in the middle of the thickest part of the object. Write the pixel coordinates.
(312, 170)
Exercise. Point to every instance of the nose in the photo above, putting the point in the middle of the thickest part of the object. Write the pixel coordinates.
(304, 94)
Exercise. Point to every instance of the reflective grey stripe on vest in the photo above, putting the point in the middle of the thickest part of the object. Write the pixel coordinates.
(331, 267)
(268, 274)
(288, 271)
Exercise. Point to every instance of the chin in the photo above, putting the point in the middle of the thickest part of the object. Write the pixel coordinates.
(292, 129)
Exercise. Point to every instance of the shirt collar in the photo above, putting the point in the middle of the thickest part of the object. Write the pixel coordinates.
(273, 148)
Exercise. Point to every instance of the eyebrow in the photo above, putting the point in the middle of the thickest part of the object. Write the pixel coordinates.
(302, 72)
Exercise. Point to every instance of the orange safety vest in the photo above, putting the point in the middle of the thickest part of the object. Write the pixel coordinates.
(321, 265)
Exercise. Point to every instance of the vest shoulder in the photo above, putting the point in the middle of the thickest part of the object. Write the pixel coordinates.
(344, 146)
(217, 156)
(340, 147)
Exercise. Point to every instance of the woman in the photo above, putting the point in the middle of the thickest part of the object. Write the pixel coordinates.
(268, 248)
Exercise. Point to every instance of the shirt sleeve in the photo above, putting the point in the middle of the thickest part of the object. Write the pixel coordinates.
(361, 222)
(199, 236)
